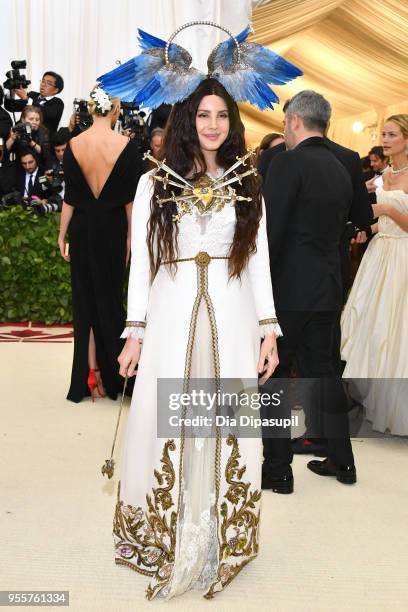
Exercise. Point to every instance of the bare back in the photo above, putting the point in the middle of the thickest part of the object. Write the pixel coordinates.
(96, 152)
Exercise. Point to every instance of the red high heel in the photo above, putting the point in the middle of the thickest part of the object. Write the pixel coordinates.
(92, 382)
(99, 384)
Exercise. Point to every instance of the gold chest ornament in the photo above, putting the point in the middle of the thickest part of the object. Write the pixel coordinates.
(205, 196)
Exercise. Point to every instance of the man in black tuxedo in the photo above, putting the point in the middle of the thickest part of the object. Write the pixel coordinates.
(308, 194)
(27, 176)
(46, 99)
(360, 216)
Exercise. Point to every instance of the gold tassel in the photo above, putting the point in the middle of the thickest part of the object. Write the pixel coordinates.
(108, 467)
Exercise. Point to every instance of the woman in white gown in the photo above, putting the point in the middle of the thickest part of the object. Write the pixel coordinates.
(188, 509)
(375, 319)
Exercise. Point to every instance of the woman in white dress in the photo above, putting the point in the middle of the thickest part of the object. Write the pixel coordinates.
(188, 509)
(375, 319)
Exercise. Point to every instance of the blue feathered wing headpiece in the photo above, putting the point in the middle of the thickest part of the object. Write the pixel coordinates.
(245, 70)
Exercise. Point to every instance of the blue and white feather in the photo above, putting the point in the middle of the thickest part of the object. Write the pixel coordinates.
(247, 78)
(148, 81)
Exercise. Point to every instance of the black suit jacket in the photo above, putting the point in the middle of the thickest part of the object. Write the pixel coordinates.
(267, 156)
(308, 196)
(51, 109)
(5, 124)
(7, 173)
(19, 183)
(360, 212)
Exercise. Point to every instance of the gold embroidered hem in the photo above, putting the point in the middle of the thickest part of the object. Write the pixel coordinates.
(147, 536)
(240, 522)
(146, 540)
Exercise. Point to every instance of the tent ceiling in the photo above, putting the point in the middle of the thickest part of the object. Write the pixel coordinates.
(355, 52)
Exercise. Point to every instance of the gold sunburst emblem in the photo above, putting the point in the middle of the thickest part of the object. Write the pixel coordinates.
(205, 195)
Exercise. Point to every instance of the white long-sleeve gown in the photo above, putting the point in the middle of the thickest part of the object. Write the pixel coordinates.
(188, 510)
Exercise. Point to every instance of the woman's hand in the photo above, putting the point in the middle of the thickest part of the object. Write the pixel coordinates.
(380, 209)
(371, 186)
(62, 246)
(361, 238)
(268, 358)
(129, 357)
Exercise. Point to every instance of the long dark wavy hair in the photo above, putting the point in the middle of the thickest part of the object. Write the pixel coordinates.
(181, 149)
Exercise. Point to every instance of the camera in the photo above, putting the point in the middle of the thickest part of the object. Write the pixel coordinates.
(52, 206)
(52, 181)
(16, 80)
(23, 131)
(33, 203)
(10, 199)
(81, 110)
(55, 173)
(133, 119)
(38, 208)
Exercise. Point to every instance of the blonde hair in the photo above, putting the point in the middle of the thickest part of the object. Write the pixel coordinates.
(93, 108)
(401, 121)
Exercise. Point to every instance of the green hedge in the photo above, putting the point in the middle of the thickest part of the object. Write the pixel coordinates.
(34, 279)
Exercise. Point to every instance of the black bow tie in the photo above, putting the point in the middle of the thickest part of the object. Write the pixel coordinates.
(41, 99)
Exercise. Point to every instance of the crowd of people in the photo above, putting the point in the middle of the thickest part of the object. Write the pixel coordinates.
(32, 147)
(372, 334)
(32, 170)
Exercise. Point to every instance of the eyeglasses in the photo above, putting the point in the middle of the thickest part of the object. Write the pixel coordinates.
(48, 83)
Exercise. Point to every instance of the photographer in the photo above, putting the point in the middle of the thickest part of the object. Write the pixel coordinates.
(29, 133)
(5, 119)
(27, 177)
(133, 125)
(156, 139)
(6, 172)
(51, 106)
(55, 168)
(81, 119)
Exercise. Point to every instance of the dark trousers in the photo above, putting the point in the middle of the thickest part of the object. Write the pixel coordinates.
(308, 343)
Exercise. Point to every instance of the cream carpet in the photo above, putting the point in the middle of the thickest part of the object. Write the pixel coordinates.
(328, 547)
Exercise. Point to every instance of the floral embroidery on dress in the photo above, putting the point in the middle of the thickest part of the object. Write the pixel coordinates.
(239, 525)
(145, 541)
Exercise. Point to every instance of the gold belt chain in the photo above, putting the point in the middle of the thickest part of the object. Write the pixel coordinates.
(202, 259)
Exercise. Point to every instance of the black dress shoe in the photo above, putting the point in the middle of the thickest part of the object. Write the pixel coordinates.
(344, 473)
(278, 484)
(307, 446)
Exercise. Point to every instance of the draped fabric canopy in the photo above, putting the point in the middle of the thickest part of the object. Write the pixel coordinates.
(354, 52)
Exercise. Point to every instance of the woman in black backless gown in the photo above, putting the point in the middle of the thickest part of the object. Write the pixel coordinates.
(98, 230)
